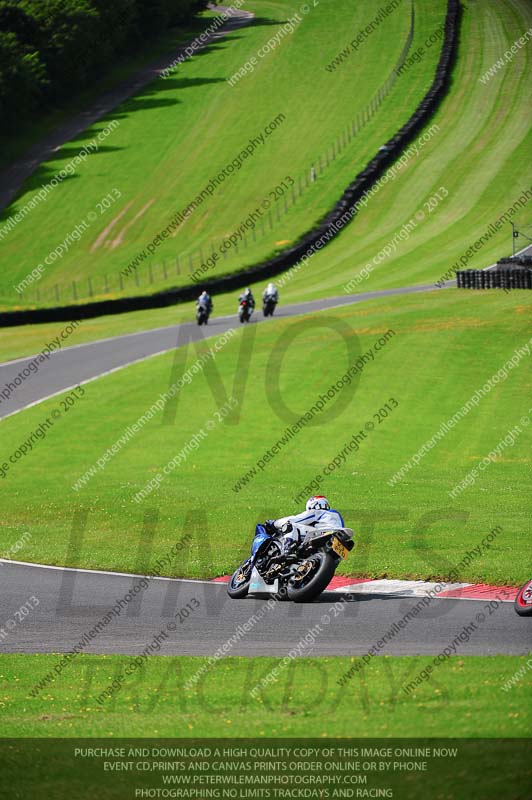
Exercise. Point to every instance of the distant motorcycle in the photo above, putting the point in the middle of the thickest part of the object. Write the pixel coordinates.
(268, 306)
(245, 311)
(202, 315)
(523, 600)
(302, 574)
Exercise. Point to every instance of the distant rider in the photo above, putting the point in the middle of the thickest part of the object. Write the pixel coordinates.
(248, 297)
(270, 293)
(204, 300)
(318, 515)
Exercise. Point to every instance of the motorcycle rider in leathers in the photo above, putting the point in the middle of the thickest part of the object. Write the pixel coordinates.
(205, 300)
(270, 292)
(318, 514)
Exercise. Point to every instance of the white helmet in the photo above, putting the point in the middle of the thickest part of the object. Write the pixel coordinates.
(318, 502)
(270, 288)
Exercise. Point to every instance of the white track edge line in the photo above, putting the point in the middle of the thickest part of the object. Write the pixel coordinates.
(213, 582)
(83, 383)
(102, 572)
(119, 337)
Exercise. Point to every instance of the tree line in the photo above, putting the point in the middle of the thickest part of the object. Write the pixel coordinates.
(49, 49)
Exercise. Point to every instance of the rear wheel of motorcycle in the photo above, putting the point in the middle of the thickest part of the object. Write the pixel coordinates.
(522, 604)
(322, 568)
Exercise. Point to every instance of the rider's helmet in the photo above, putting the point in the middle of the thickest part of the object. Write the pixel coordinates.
(318, 502)
(247, 292)
(270, 289)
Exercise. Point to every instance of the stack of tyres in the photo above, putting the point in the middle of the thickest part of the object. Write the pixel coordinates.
(494, 279)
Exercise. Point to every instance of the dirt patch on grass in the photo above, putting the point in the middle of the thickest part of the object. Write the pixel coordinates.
(103, 235)
(120, 238)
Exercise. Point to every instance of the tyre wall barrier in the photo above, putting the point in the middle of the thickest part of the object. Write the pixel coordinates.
(494, 279)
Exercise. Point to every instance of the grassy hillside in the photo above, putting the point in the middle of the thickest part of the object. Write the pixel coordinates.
(480, 158)
(444, 347)
(178, 133)
(483, 179)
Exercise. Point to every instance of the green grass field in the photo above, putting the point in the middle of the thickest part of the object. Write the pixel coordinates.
(464, 697)
(445, 346)
(167, 147)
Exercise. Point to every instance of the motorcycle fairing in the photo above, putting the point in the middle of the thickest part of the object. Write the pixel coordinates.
(258, 541)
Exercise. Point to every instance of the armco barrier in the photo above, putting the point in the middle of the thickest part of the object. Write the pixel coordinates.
(386, 155)
(494, 279)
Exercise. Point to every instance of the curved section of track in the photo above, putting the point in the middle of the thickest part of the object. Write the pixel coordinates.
(72, 602)
(86, 362)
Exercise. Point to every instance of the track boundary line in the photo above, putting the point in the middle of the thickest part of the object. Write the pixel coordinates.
(393, 587)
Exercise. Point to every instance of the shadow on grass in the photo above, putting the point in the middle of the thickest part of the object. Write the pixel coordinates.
(147, 98)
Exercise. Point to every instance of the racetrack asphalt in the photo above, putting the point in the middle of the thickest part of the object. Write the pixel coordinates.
(79, 364)
(71, 602)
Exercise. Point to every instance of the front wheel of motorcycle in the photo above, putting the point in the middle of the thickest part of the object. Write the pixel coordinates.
(238, 585)
(523, 600)
(311, 577)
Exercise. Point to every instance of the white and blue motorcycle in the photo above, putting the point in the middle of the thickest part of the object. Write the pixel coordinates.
(300, 574)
